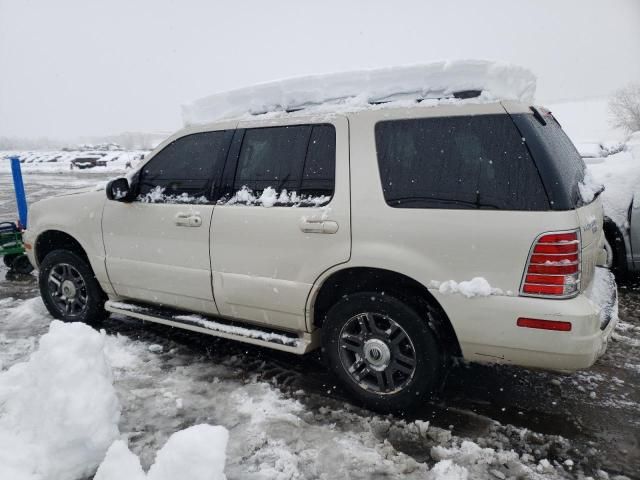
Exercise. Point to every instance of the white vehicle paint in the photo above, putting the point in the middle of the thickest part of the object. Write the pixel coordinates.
(281, 267)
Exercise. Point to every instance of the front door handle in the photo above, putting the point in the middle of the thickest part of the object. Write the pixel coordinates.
(188, 219)
(318, 226)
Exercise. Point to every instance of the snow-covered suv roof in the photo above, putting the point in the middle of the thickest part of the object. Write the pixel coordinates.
(485, 81)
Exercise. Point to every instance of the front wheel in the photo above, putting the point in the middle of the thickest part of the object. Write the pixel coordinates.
(69, 288)
(382, 351)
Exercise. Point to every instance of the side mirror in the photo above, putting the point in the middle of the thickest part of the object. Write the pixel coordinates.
(119, 190)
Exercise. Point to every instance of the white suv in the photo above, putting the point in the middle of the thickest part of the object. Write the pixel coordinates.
(394, 238)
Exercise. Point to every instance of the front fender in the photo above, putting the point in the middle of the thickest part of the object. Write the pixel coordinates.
(77, 215)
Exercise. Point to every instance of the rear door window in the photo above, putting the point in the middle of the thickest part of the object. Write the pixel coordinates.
(463, 162)
(185, 170)
(285, 166)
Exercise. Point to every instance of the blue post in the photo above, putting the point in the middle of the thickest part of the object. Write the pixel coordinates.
(18, 185)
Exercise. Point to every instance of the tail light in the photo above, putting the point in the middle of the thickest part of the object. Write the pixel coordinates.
(553, 266)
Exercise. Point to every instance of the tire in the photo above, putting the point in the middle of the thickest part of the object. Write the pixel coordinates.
(66, 276)
(616, 245)
(8, 259)
(21, 264)
(395, 356)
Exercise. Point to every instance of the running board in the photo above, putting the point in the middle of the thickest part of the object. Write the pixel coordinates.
(278, 340)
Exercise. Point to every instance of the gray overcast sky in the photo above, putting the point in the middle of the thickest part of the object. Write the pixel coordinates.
(83, 67)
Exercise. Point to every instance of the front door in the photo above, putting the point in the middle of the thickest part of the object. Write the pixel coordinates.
(284, 221)
(157, 247)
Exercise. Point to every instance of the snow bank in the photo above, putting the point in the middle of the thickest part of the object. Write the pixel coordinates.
(196, 453)
(57, 161)
(273, 436)
(589, 187)
(633, 144)
(620, 174)
(359, 88)
(120, 463)
(58, 411)
(469, 460)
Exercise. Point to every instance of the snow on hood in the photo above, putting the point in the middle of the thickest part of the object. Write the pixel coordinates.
(497, 81)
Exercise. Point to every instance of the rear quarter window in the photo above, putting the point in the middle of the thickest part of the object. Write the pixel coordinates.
(559, 162)
(463, 162)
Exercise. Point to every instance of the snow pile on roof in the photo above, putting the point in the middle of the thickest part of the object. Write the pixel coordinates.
(58, 411)
(496, 81)
(196, 453)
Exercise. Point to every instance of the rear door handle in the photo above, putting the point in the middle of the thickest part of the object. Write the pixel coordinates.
(318, 226)
(188, 219)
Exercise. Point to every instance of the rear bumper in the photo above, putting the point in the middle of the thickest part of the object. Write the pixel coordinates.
(491, 334)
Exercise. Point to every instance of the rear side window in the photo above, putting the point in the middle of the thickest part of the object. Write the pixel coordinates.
(289, 165)
(184, 171)
(558, 160)
(463, 162)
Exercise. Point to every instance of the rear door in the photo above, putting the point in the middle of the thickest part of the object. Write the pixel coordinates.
(157, 247)
(283, 220)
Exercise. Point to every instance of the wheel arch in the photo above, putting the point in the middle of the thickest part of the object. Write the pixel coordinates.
(52, 239)
(350, 280)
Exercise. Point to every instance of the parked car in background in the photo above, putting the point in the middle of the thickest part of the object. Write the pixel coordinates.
(623, 243)
(88, 162)
(619, 171)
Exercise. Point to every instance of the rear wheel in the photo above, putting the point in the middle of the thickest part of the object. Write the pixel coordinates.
(69, 289)
(382, 351)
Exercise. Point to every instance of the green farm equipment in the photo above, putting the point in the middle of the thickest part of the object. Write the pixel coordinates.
(12, 248)
(11, 245)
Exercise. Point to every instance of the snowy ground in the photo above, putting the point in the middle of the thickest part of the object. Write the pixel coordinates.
(288, 420)
(117, 161)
